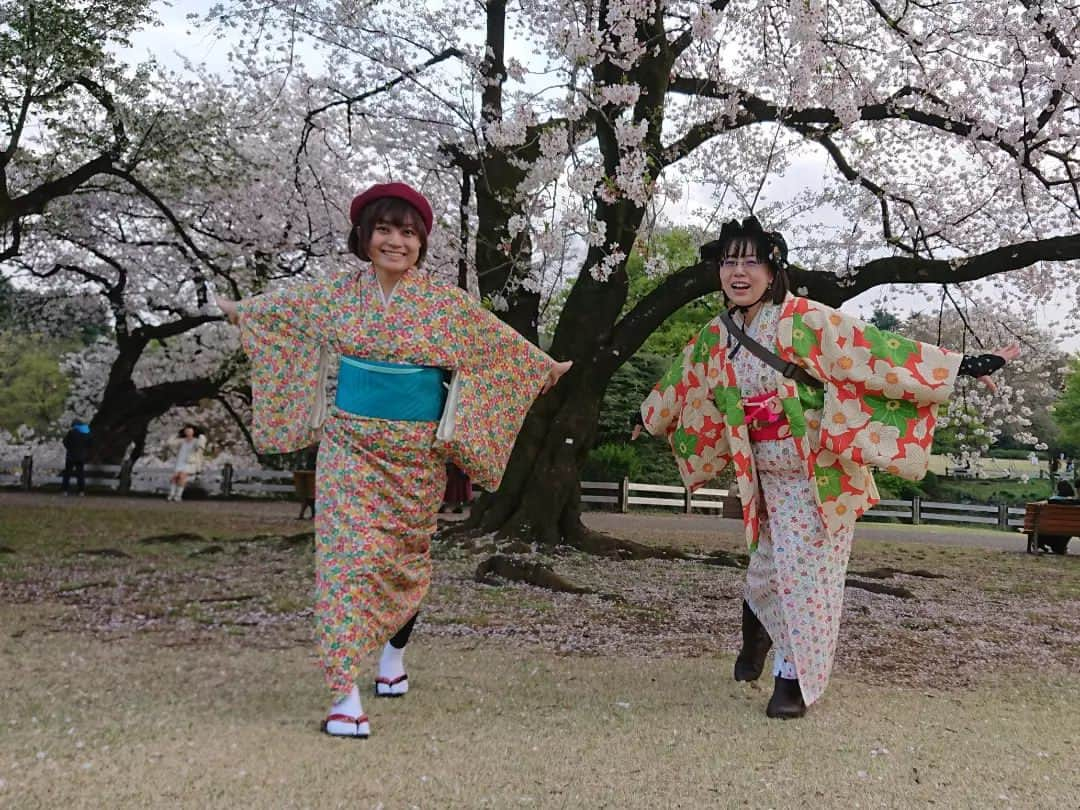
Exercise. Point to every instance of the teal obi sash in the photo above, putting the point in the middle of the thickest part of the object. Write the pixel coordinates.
(397, 391)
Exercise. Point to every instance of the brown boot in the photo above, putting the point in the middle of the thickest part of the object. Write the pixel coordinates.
(787, 700)
(755, 647)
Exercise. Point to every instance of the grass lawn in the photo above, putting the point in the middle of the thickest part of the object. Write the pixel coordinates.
(182, 674)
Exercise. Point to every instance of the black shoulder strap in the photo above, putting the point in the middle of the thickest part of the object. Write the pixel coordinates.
(789, 370)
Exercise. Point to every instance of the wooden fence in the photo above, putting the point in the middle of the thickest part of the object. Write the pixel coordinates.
(228, 481)
(626, 494)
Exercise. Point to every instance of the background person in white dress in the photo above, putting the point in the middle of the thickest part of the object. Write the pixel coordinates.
(188, 445)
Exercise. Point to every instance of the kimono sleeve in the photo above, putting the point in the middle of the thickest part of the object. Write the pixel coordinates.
(283, 334)
(882, 389)
(661, 408)
(683, 408)
(500, 374)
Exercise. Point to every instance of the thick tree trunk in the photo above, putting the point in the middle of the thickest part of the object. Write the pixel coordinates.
(540, 496)
(126, 412)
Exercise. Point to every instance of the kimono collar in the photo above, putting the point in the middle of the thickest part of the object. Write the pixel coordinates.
(404, 280)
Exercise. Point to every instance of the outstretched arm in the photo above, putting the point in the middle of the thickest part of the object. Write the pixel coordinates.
(981, 366)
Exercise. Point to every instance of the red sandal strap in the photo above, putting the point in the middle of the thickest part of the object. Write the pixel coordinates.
(392, 681)
(346, 718)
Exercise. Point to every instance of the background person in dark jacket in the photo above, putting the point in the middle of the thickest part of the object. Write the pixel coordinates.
(77, 444)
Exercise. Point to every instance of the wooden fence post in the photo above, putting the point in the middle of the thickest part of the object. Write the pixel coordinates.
(624, 495)
(226, 479)
(1003, 516)
(916, 510)
(124, 483)
(27, 479)
(688, 499)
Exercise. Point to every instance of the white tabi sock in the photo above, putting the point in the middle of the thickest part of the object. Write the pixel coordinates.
(172, 492)
(179, 493)
(392, 681)
(784, 665)
(392, 662)
(350, 707)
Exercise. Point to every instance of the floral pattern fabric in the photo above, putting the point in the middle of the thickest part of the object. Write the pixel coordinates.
(379, 482)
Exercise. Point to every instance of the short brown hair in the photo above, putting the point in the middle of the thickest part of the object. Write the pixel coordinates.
(393, 211)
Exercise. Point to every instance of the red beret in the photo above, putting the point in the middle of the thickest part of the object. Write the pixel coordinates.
(400, 190)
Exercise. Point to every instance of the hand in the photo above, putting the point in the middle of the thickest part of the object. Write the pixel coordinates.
(557, 370)
(635, 433)
(229, 308)
(1010, 352)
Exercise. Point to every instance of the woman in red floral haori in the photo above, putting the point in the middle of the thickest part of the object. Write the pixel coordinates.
(802, 399)
(398, 333)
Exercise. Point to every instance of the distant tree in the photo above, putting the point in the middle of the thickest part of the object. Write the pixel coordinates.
(1067, 410)
(34, 389)
(64, 102)
(883, 319)
(1026, 389)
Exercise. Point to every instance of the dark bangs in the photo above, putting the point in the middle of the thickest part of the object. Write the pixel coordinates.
(748, 242)
(392, 211)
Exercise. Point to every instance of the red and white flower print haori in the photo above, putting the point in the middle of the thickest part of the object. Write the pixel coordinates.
(878, 407)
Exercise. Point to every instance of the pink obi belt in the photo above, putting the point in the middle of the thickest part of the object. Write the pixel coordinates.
(766, 418)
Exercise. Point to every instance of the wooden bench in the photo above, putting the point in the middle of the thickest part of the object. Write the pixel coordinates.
(1051, 524)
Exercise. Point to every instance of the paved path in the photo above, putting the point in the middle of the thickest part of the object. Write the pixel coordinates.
(893, 532)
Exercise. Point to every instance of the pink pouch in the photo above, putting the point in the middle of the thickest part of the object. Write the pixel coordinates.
(765, 418)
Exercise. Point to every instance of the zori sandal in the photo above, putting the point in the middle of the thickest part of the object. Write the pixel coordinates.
(391, 687)
(345, 725)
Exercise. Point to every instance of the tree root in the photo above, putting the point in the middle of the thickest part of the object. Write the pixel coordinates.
(724, 559)
(898, 591)
(102, 552)
(178, 537)
(886, 572)
(499, 566)
(604, 545)
(301, 540)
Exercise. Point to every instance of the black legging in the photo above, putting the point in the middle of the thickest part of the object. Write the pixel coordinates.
(76, 468)
(401, 637)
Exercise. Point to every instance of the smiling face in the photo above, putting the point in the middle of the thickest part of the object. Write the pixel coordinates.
(390, 234)
(394, 248)
(744, 278)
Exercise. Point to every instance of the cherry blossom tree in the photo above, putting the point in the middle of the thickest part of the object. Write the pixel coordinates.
(63, 102)
(940, 139)
(216, 193)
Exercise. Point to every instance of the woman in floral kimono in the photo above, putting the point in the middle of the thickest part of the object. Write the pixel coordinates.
(381, 474)
(802, 440)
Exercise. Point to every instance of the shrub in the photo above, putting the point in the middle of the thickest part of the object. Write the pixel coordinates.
(612, 462)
